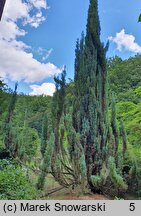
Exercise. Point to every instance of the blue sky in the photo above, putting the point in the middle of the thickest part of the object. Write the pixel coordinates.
(40, 38)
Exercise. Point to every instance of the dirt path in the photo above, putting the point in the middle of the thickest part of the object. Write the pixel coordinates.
(67, 193)
(74, 197)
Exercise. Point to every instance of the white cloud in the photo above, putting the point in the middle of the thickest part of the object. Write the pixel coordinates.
(16, 63)
(35, 20)
(46, 54)
(39, 3)
(16, 9)
(44, 89)
(125, 41)
(43, 53)
(19, 9)
(9, 30)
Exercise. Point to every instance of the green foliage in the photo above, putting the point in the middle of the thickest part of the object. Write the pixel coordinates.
(90, 102)
(46, 163)
(96, 181)
(31, 110)
(124, 137)
(116, 179)
(90, 135)
(139, 19)
(2, 85)
(138, 91)
(134, 134)
(13, 182)
(48, 152)
(59, 96)
(27, 142)
(83, 167)
(44, 135)
(125, 107)
(99, 181)
(114, 125)
(124, 76)
(58, 106)
(75, 151)
(131, 114)
(7, 127)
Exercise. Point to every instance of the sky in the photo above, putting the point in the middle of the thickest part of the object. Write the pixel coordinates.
(38, 37)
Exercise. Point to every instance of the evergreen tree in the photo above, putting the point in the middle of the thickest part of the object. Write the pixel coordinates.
(44, 134)
(90, 136)
(91, 91)
(7, 128)
(60, 160)
(58, 105)
(99, 138)
(46, 163)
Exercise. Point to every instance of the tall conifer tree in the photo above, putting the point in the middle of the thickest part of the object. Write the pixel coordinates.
(91, 89)
(91, 137)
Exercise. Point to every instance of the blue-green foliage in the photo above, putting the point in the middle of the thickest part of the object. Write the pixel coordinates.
(46, 163)
(116, 179)
(83, 167)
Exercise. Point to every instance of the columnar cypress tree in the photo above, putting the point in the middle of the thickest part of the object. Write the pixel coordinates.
(91, 89)
(90, 135)
(90, 118)
(58, 112)
(79, 82)
(58, 105)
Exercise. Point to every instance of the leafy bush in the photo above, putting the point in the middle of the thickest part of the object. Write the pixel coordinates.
(13, 182)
